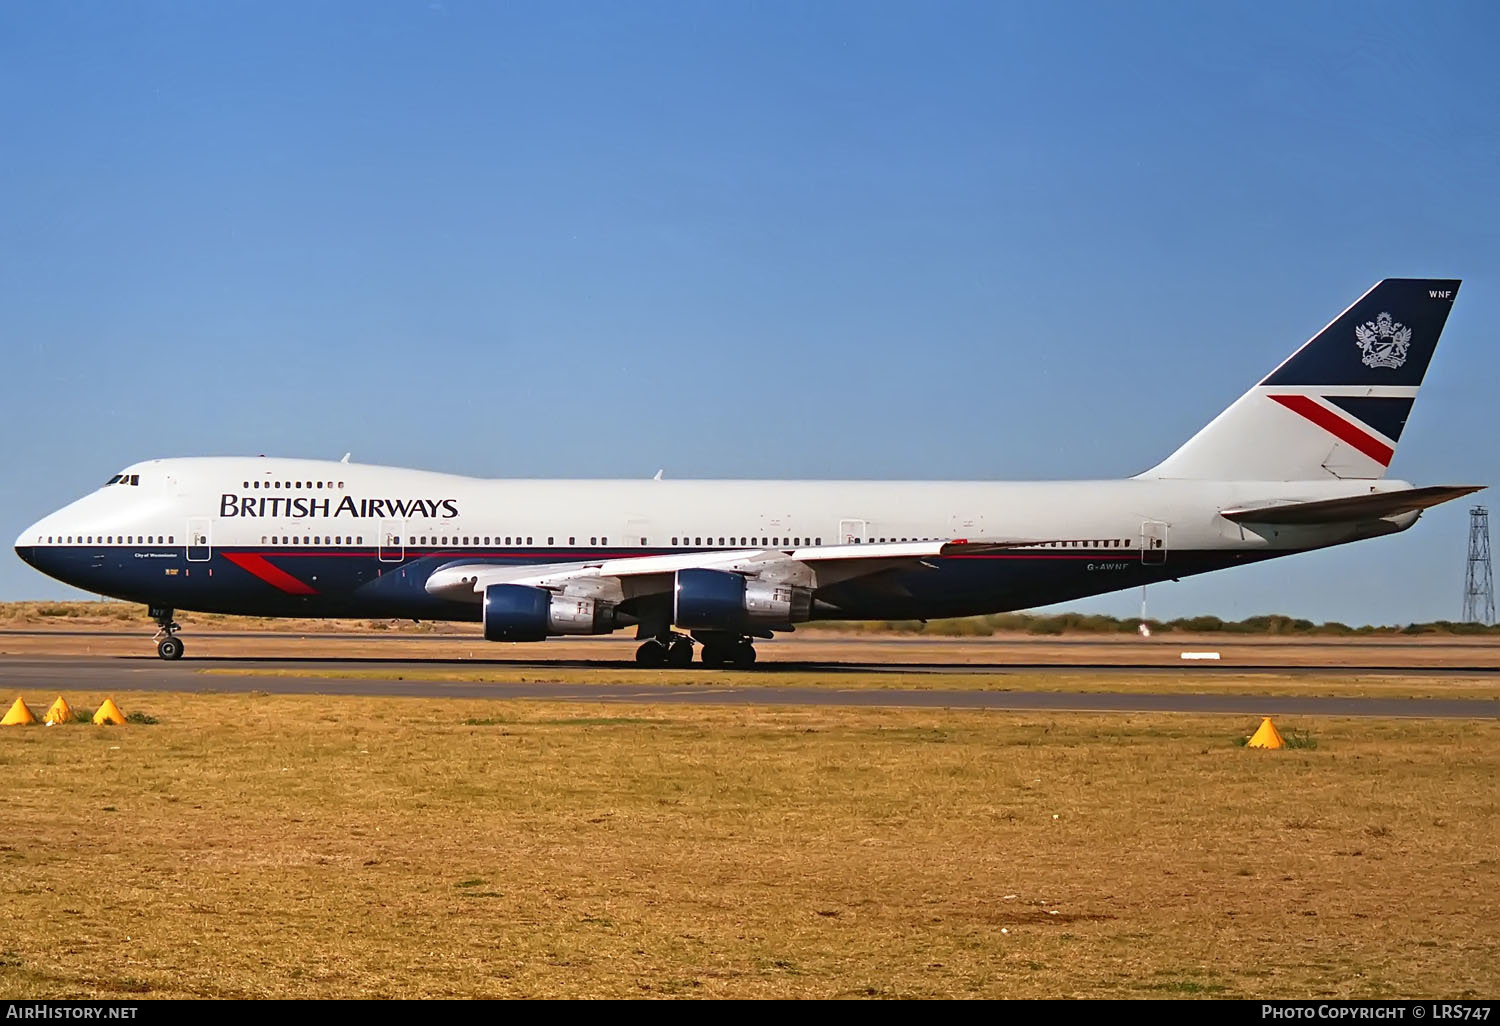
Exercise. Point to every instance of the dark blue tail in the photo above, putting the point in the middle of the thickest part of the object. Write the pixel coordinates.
(1386, 338)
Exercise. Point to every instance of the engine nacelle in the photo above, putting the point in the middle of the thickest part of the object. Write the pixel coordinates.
(715, 600)
(518, 612)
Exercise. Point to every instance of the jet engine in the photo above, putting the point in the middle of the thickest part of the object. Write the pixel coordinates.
(518, 612)
(720, 601)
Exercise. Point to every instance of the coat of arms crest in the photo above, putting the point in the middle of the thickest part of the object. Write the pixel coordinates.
(1383, 341)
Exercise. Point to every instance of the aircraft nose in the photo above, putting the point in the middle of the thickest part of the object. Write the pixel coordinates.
(26, 544)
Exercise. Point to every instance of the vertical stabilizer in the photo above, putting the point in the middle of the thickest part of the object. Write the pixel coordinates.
(1337, 406)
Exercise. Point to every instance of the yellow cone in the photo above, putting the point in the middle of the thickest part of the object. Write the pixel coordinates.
(110, 713)
(19, 714)
(1266, 736)
(60, 712)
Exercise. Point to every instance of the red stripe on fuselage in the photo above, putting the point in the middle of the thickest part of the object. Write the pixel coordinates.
(272, 575)
(1337, 426)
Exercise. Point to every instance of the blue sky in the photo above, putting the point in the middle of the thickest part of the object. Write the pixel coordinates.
(732, 239)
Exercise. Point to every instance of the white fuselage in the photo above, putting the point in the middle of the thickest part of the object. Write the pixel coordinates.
(304, 536)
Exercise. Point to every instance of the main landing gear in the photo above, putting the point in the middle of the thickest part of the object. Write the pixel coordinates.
(677, 650)
(673, 650)
(719, 649)
(736, 652)
(168, 646)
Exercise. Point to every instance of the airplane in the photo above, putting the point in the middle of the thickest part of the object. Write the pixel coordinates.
(1296, 463)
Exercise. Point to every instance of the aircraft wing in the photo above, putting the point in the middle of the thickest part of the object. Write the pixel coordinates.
(814, 566)
(1359, 507)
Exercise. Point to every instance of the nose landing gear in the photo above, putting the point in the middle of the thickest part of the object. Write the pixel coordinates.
(168, 646)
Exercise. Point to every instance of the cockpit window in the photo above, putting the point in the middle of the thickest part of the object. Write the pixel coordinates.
(114, 480)
(124, 479)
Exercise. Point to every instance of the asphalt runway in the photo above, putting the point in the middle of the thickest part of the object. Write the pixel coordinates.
(805, 640)
(46, 675)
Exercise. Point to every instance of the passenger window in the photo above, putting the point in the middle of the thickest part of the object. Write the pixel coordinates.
(570, 539)
(549, 539)
(528, 539)
(674, 539)
(817, 541)
(604, 542)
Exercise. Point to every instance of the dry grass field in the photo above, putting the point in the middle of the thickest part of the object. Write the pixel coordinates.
(251, 845)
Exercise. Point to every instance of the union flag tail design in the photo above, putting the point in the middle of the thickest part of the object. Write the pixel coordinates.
(1337, 406)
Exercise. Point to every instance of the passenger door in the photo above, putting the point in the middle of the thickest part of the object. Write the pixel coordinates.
(853, 532)
(199, 539)
(1153, 543)
(392, 541)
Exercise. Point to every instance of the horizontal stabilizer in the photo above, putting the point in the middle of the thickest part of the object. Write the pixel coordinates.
(1359, 507)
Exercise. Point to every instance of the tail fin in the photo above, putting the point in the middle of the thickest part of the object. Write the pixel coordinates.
(1336, 407)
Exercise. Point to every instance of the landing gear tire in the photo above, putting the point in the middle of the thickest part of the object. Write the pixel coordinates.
(652, 653)
(743, 655)
(169, 648)
(681, 653)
